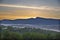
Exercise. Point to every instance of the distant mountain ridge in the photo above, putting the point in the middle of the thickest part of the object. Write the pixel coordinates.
(37, 20)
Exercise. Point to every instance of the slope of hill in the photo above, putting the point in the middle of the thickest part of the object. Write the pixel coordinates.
(42, 23)
(37, 20)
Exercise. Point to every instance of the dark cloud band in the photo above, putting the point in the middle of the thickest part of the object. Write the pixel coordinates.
(1, 1)
(59, 2)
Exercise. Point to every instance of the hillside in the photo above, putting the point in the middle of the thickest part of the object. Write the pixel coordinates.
(37, 20)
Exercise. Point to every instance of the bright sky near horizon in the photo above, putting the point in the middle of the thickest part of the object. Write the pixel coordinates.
(16, 9)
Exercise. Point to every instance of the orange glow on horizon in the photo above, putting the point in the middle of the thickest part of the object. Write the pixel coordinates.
(30, 12)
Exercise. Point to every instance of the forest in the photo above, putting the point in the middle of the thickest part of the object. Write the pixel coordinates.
(13, 33)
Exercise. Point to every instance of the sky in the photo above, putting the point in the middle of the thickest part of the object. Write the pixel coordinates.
(22, 9)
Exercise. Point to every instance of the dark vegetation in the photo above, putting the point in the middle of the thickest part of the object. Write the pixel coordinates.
(13, 33)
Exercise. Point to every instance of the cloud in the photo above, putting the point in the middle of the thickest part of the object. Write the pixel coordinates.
(1, 1)
(42, 11)
(58, 2)
(30, 7)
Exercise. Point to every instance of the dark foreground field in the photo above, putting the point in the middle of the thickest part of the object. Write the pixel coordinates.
(10, 33)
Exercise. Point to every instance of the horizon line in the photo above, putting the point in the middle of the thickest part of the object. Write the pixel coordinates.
(30, 18)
